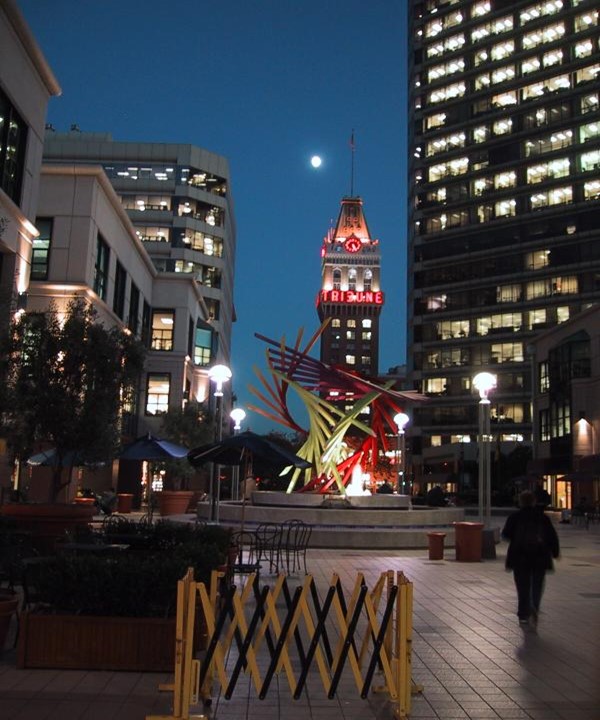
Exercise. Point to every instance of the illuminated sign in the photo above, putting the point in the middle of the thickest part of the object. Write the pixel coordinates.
(351, 297)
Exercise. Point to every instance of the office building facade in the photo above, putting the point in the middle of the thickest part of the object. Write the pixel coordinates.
(503, 237)
(178, 199)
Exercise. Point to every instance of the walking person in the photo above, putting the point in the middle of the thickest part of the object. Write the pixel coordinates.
(533, 545)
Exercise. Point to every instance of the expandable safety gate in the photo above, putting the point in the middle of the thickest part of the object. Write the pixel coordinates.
(369, 633)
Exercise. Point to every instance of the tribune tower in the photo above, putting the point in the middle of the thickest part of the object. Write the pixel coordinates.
(350, 294)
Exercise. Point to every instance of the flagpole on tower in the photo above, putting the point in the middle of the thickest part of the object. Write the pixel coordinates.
(352, 148)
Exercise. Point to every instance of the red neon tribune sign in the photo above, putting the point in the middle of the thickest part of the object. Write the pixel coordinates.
(351, 297)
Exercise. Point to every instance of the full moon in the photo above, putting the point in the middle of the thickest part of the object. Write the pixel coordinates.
(316, 161)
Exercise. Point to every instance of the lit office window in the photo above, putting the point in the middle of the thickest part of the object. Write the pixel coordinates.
(458, 166)
(556, 141)
(505, 180)
(449, 329)
(482, 81)
(503, 74)
(587, 20)
(350, 360)
(587, 74)
(505, 99)
(485, 213)
(546, 287)
(503, 50)
(435, 121)
(537, 261)
(530, 65)
(152, 233)
(556, 196)
(506, 352)
(163, 330)
(548, 34)
(437, 196)
(536, 319)
(590, 161)
(450, 68)
(434, 386)
(436, 302)
(447, 93)
(502, 127)
(506, 208)
(367, 279)
(351, 323)
(157, 393)
(480, 33)
(501, 322)
(589, 132)
(584, 49)
(480, 8)
(481, 133)
(554, 169)
(335, 323)
(502, 25)
(366, 323)
(40, 253)
(433, 28)
(481, 57)
(450, 44)
(444, 144)
(562, 314)
(591, 190)
(533, 12)
(554, 57)
(508, 293)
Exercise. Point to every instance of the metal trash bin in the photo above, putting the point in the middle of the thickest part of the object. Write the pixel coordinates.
(436, 545)
(468, 541)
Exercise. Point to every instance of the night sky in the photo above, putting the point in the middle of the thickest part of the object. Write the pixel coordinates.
(268, 84)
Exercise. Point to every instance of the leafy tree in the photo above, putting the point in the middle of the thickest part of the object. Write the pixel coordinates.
(63, 383)
(191, 427)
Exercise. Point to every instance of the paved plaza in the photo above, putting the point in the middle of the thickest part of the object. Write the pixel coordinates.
(469, 653)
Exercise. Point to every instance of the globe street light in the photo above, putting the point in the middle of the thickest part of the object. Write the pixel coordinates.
(219, 374)
(237, 415)
(484, 383)
(401, 420)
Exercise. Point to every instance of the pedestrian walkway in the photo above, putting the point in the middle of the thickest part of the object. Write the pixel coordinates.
(469, 653)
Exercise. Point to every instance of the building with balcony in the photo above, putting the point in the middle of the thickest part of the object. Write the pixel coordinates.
(503, 236)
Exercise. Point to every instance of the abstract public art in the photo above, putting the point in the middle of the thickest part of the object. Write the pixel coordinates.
(339, 445)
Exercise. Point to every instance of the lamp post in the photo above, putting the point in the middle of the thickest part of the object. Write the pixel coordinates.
(484, 383)
(237, 415)
(219, 374)
(401, 420)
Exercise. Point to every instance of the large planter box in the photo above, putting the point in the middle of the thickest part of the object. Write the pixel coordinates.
(80, 642)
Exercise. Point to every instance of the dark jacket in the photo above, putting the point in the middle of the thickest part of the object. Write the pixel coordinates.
(533, 539)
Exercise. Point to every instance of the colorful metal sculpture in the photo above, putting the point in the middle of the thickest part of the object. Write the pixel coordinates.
(337, 441)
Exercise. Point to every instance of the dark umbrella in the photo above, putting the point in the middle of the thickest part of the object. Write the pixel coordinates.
(70, 458)
(149, 447)
(242, 448)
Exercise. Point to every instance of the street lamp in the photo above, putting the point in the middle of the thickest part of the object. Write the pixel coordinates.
(401, 420)
(484, 383)
(219, 374)
(237, 415)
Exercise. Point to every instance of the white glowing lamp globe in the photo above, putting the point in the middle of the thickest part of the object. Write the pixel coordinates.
(484, 382)
(219, 374)
(401, 420)
(237, 415)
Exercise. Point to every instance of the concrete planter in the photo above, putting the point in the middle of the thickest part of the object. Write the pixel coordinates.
(174, 502)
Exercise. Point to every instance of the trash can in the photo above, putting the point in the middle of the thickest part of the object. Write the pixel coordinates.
(468, 541)
(436, 545)
(124, 503)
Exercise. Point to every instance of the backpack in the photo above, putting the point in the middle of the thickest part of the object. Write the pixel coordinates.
(529, 538)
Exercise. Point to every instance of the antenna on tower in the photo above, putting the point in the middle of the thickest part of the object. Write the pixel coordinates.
(352, 148)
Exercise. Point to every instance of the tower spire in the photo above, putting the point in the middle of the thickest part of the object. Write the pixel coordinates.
(352, 148)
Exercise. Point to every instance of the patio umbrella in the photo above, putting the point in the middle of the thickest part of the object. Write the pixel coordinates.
(50, 458)
(241, 449)
(149, 447)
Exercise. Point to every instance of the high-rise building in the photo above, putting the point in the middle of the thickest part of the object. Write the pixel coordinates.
(350, 295)
(504, 230)
(178, 199)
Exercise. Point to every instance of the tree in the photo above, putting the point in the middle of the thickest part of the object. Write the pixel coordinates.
(63, 383)
(191, 427)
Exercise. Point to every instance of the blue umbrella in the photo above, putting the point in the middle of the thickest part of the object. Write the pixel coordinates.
(149, 447)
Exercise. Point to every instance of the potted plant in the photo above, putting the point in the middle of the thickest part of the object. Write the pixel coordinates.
(116, 612)
(61, 387)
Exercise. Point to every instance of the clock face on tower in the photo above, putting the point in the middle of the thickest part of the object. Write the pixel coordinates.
(352, 244)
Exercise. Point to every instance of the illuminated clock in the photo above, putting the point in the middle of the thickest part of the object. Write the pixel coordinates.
(352, 244)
